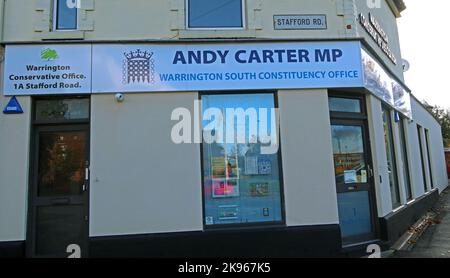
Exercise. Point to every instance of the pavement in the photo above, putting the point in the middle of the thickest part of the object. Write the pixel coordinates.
(434, 240)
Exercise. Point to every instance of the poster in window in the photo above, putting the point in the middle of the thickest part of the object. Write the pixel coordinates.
(225, 188)
(251, 165)
(218, 167)
(209, 220)
(350, 176)
(259, 189)
(363, 176)
(224, 167)
(228, 212)
(232, 170)
(264, 167)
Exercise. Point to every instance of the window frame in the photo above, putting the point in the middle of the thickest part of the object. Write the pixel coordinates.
(430, 161)
(422, 158)
(252, 225)
(36, 99)
(348, 115)
(55, 19)
(243, 16)
(405, 155)
(59, 124)
(361, 119)
(393, 149)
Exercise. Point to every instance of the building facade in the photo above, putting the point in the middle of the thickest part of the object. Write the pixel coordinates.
(117, 139)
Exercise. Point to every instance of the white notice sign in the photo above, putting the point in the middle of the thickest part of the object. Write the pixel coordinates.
(300, 22)
(225, 66)
(47, 69)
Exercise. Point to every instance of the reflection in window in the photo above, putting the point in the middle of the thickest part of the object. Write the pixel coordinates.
(354, 214)
(62, 109)
(241, 182)
(392, 167)
(66, 16)
(348, 153)
(406, 177)
(61, 163)
(347, 105)
(422, 159)
(430, 168)
(215, 14)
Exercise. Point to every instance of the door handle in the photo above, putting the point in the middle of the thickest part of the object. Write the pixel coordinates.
(86, 177)
(369, 168)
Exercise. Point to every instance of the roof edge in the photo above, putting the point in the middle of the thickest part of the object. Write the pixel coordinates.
(397, 6)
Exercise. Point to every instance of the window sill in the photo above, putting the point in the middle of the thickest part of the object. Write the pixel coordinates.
(62, 35)
(398, 208)
(244, 227)
(227, 34)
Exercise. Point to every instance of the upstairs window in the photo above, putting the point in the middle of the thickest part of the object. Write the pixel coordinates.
(65, 15)
(215, 13)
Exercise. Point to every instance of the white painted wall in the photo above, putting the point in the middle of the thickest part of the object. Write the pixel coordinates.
(141, 182)
(423, 118)
(307, 157)
(165, 179)
(27, 20)
(426, 120)
(388, 22)
(14, 161)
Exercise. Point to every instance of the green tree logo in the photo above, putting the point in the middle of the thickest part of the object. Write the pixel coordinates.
(49, 54)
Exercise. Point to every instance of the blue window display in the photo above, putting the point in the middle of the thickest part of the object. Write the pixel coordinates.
(241, 182)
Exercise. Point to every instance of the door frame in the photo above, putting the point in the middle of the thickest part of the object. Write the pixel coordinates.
(360, 119)
(50, 126)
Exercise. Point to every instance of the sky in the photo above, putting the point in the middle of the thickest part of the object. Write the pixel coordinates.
(424, 32)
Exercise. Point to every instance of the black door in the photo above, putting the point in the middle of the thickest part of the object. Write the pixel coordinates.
(354, 180)
(59, 191)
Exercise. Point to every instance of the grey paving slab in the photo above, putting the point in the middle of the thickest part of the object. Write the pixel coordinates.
(435, 241)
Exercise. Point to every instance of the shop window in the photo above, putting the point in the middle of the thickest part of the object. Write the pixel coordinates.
(430, 168)
(422, 159)
(390, 153)
(241, 180)
(65, 15)
(406, 171)
(215, 14)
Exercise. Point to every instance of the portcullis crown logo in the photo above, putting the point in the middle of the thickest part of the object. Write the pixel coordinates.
(138, 66)
(49, 54)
